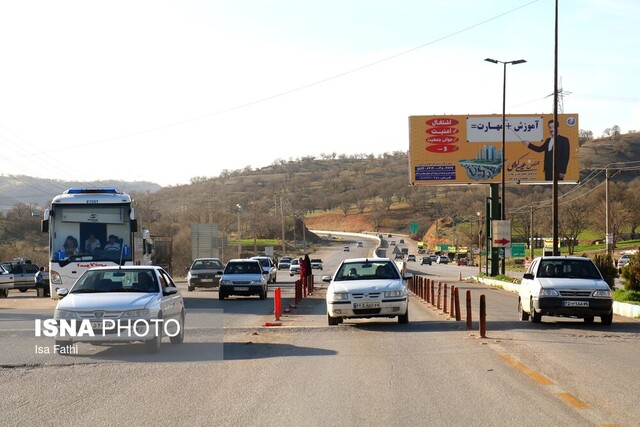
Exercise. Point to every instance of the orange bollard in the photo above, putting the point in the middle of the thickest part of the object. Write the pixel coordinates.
(444, 300)
(452, 312)
(304, 287)
(469, 322)
(483, 316)
(433, 292)
(457, 302)
(427, 296)
(277, 303)
(298, 291)
(439, 294)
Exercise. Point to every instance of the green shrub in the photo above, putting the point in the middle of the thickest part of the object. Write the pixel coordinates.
(631, 273)
(607, 269)
(632, 297)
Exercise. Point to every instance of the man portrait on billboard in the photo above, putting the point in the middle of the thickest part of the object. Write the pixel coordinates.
(562, 152)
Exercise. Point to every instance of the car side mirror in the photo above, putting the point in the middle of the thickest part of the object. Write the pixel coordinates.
(62, 292)
(169, 290)
(407, 276)
(220, 272)
(528, 276)
(326, 278)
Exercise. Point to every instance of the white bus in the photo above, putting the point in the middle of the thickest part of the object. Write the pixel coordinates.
(87, 228)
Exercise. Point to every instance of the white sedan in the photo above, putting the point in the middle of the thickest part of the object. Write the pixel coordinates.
(564, 286)
(366, 288)
(110, 305)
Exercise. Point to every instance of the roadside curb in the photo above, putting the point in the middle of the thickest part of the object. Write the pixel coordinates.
(620, 308)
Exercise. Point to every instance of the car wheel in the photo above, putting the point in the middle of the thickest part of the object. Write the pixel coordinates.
(179, 339)
(153, 345)
(333, 321)
(607, 319)
(403, 319)
(23, 289)
(221, 295)
(190, 289)
(263, 295)
(535, 317)
(588, 319)
(524, 316)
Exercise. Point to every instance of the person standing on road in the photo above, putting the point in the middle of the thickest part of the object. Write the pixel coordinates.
(40, 284)
(303, 268)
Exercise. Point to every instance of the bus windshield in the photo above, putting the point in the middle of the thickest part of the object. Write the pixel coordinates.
(90, 232)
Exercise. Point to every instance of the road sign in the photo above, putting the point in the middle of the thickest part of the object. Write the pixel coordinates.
(518, 249)
(501, 234)
(413, 227)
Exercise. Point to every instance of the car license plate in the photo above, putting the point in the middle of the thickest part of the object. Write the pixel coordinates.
(358, 305)
(207, 280)
(96, 325)
(575, 303)
(240, 288)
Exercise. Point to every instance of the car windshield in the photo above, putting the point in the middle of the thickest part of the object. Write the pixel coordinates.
(243, 268)
(569, 268)
(206, 264)
(103, 281)
(264, 262)
(367, 270)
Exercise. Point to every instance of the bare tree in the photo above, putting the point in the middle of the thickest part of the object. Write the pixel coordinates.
(573, 219)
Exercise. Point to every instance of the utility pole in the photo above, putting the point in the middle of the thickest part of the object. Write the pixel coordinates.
(556, 248)
(531, 246)
(608, 236)
(239, 235)
(284, 245)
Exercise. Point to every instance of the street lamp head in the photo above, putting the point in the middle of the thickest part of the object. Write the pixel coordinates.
(519, 61)
(495, 61)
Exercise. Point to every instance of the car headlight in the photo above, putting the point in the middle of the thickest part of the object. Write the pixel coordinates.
(226, 282)
(548, 293)
(398, 293)
(602, 293)
(65, 314)
(340, 296)
(136, 314)
(192, 276)
(256, 282)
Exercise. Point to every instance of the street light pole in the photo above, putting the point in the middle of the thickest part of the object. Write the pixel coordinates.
(503, 201)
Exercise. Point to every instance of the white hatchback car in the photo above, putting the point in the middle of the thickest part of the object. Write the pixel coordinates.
(365, 288)
(108, 299)
(564, 286)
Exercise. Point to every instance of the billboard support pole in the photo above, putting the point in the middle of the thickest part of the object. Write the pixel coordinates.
(496, 215)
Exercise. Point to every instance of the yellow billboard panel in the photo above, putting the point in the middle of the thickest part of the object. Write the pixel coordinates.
(467, 149)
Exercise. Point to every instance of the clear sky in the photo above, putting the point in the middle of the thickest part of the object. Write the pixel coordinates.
(169, 90)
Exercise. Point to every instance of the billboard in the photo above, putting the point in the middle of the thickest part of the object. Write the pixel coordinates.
(467, 149)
